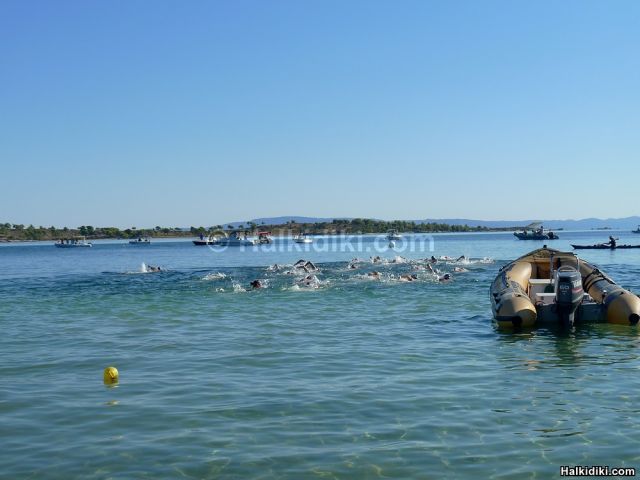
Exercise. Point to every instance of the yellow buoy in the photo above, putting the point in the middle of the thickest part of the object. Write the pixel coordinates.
(110, 375)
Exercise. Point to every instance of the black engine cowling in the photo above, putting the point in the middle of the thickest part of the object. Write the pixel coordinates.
(569, 294)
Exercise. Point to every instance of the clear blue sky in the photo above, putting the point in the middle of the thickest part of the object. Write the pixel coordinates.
(201, 112)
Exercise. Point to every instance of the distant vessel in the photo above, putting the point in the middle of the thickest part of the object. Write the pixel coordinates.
(76, 242)
(264, 238)
(393, 235)
(140, 241)
(235, 240)
(210, 240)
(302, 238)
(537, 233)
(637, 230)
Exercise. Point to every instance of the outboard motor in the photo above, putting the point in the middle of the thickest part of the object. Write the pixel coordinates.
(569, 294)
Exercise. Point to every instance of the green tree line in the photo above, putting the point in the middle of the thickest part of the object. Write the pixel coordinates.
(9, 231)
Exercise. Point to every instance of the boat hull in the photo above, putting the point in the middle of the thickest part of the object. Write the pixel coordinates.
(84, 245)
(527, 236)
(523, 293)
(234, 243)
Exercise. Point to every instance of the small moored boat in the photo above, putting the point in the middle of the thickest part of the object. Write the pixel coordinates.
(140, 241)
(202, 241)
(547, 286)
(235, 240)
(393, 235)
(264, 238)
(76, 242)
(302, 238)
(536, 234)
(637, 230)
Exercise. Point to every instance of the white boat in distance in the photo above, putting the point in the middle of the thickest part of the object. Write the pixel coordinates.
(393, 235)
(77, 242)
(234, 240)
(302, 238)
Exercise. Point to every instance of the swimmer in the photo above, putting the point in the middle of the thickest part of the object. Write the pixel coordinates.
(352, 266)
(310, 281)
(306, 265)
(433, 259)
(399, 259)
(445, 278)
(256, 284)
(460, 270)
(376, 259)
(151, 268)
(374, 274)
(461, 258)
(408, 278)
(274, 268)
(430, 268)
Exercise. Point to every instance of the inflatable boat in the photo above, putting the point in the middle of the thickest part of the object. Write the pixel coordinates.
(546, 287)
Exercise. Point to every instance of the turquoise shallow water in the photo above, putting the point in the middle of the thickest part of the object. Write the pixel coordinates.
(355, 379)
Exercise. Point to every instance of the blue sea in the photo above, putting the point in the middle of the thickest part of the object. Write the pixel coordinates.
(343, 375)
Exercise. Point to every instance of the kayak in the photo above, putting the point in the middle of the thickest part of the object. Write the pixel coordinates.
(603, 247)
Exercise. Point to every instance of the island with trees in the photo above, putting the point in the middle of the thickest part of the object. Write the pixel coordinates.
(356, 226)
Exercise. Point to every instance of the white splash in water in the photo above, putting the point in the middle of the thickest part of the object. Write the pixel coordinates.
(214, 276)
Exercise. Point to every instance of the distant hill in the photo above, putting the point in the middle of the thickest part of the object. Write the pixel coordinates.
(569, 224)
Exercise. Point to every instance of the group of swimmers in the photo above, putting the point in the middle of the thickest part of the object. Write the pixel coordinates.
(309, 279)
(306, 266)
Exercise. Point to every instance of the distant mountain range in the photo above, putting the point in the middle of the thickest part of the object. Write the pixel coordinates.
(583, 224)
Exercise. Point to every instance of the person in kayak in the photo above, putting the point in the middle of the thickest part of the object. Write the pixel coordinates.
(611, 242)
